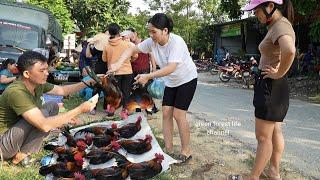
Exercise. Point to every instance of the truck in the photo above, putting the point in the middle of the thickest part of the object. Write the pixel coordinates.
(26, 27)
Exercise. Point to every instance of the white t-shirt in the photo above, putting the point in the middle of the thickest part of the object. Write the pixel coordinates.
(176, 51)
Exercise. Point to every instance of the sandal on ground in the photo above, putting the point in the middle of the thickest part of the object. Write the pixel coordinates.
(265, 175)
(235, 177)
(183, 159)
(26, 162)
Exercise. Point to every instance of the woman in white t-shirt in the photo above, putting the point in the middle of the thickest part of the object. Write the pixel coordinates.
(179, 74)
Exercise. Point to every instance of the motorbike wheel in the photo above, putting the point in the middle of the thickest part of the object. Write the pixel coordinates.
(224, 77)
(214, 71)
(248, 80)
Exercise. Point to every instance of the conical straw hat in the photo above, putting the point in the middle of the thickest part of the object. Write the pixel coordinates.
(100, 41)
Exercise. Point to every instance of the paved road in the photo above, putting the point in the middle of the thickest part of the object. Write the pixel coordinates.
(231, 109)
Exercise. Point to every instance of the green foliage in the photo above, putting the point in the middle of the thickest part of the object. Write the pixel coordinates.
(305, 7)
(203, 40)
(139, 23)
(93, 16)
(314, 32)
(232, 8)
(59, 10)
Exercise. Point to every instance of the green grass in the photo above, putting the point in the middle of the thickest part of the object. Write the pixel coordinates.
(11, 172)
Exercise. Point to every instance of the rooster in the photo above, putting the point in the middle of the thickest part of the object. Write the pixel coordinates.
(138, 146)
(129, 130)
(67, 154)
(143, 170)
(71, 141)
(110, 173)
(103, 155)
(105, 139)
(63, 169)
(96, 130)
(112, 93)
(139, 98)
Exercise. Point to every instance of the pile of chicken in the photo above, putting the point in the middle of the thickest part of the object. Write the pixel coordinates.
(99, 145)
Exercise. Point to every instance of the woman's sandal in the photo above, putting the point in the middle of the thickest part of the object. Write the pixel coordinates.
(236, 177)
(265, 175)
(183, 159)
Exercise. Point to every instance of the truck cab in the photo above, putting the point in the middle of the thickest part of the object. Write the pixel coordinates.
(26, 27)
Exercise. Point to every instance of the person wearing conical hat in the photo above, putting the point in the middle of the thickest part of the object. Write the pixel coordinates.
(95, 48)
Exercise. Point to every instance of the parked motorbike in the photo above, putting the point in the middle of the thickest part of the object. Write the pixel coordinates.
(239, 71)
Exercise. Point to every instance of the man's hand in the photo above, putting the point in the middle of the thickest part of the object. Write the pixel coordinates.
(270, 72)
(88, 105)
(75, 121)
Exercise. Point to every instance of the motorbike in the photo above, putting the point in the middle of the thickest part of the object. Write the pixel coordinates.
(239, 71)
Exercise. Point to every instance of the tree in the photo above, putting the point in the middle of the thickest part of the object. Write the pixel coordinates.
(93, 16)
(59, 11)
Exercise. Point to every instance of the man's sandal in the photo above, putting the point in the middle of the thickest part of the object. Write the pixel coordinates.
(26, 162)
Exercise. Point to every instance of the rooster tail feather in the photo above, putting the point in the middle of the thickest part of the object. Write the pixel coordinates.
(121, 160)
(50, 147)
(44, 170)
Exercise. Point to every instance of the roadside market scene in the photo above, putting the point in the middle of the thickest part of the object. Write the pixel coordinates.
(163, 90)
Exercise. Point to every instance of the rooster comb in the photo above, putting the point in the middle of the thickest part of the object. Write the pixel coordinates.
(79, 176)
(159, 156)
(148, 136)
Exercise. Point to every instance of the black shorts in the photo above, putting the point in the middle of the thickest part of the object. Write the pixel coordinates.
(180, 97)
(271, 98)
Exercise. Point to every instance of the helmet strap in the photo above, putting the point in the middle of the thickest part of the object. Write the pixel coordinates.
(269, 15)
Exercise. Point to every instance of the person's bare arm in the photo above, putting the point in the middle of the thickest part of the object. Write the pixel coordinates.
(5, 79)
(69, 89)
(153, 62)
(88, 53)
(144, 78)
(37, 119)
(288, 50)
(104, 55)
(125, 55)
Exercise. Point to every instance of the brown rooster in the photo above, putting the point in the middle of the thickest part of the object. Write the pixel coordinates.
(128, 130)
(139, 98)
(111, 173)
(105, 139)
(96, 130)
(143, 170)
(103, 155)
(71, 141)
(138, 146)
(63, 169)
(112, 93)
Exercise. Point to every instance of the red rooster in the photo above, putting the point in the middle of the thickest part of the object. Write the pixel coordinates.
(138, 146)
(142, 170)
(63, 169)
(129, 130)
